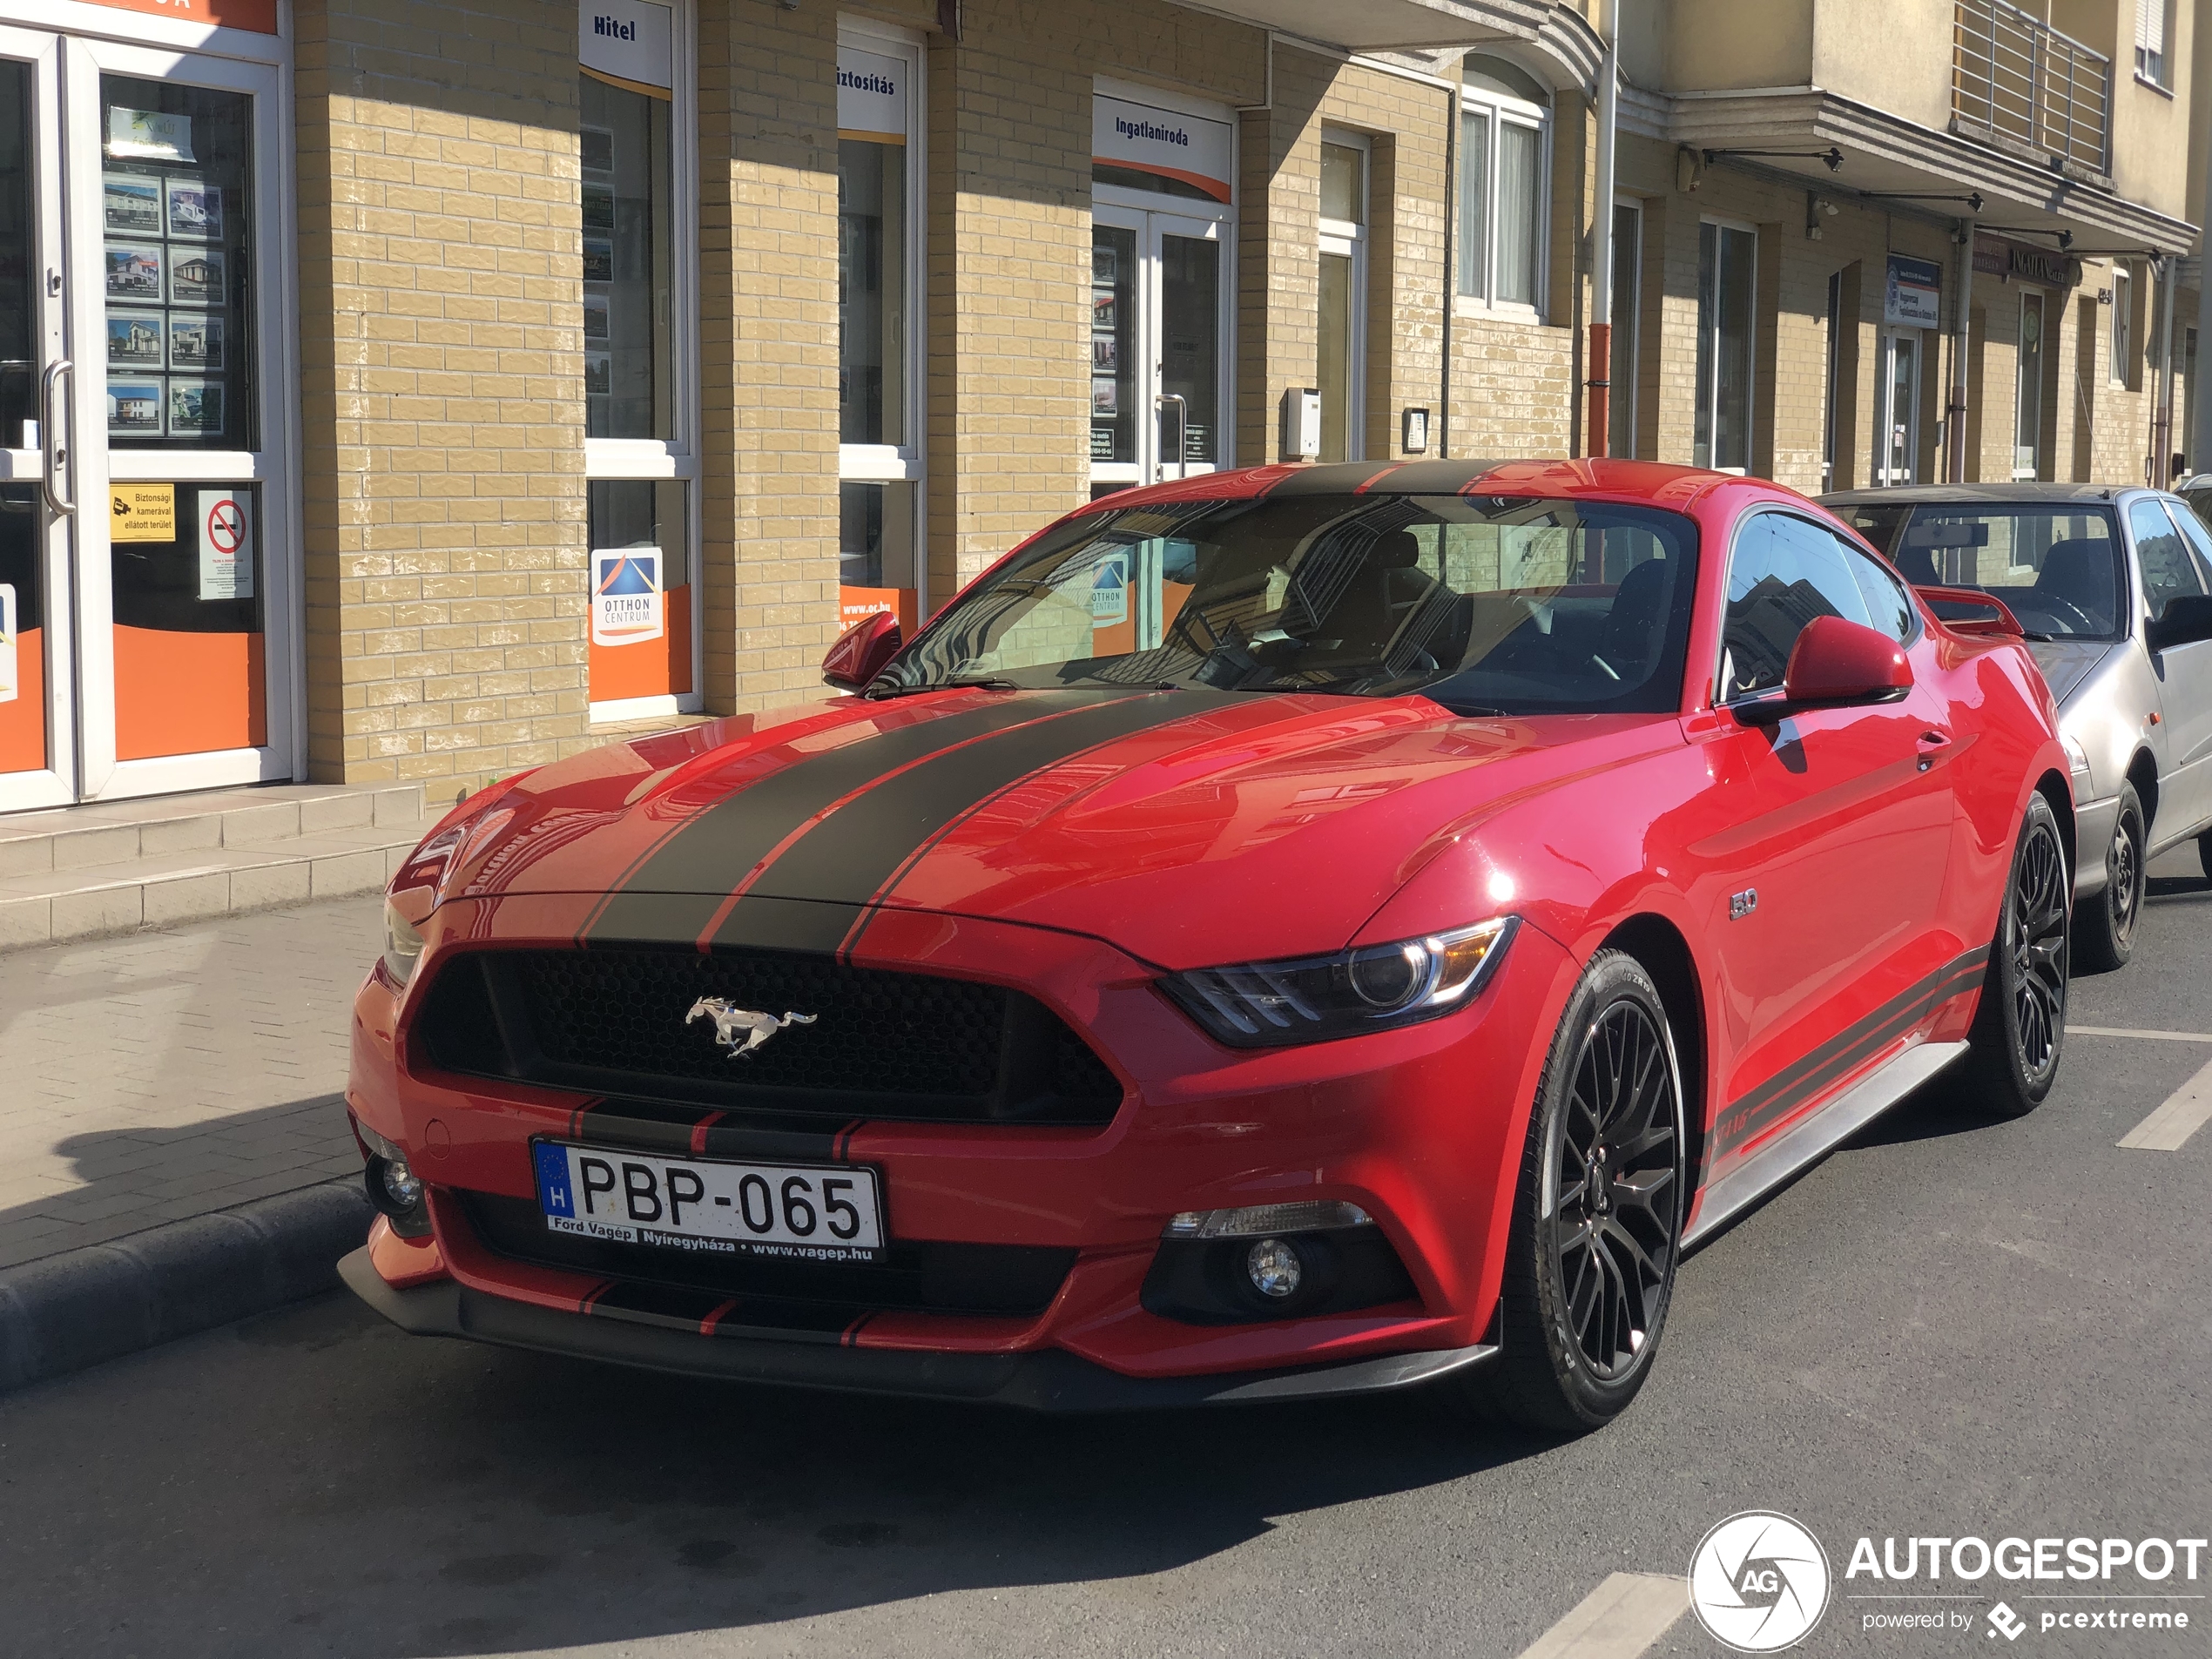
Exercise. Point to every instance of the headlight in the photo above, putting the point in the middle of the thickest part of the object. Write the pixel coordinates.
(1259, 1005)
(402, 944)
(2077, 758)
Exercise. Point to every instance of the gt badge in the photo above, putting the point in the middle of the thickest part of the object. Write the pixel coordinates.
(741, 1030)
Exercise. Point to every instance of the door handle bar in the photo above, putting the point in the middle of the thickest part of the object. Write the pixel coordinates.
(1181, 433)
(53, 453)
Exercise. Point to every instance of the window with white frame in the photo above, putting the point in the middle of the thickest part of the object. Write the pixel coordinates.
(1340, 369)
(638, 153)
(2153, 27)
(1505, 142)
(878, 288)
(1727, 262)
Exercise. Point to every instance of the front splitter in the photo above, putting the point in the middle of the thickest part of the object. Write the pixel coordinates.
(1049, 1380)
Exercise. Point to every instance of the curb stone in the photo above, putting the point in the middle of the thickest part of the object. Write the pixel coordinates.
(63, 1313)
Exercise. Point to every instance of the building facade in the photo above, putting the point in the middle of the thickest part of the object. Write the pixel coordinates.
(393, 390)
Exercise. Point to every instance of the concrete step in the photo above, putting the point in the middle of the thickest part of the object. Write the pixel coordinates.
(104, 833)
(197, 856)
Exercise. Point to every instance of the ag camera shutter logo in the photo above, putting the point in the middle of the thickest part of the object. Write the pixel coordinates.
(1758, 1582)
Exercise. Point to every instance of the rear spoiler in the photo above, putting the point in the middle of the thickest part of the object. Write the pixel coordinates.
(2001, 622)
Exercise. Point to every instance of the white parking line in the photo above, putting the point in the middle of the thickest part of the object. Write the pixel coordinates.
(2186, 1110)
(1618, 1619)
(2155, 1036)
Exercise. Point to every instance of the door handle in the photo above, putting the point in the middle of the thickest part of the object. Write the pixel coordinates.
(1182, 435)
(53, 449)
(1931, 743)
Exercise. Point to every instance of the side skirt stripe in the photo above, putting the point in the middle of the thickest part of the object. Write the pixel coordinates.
(1747, 1118)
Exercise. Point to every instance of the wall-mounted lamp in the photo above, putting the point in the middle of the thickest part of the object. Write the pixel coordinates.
(1817, 207)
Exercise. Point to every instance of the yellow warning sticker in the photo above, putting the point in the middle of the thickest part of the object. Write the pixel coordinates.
(143, 513)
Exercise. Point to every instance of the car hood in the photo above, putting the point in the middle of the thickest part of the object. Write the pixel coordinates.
(2067, 662)
(1183, 827)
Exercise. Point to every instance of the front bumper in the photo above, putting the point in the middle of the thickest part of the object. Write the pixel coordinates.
(1420, 1127)
(1047, 1380)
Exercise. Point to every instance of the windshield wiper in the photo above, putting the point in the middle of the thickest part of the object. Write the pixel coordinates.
(985, 684)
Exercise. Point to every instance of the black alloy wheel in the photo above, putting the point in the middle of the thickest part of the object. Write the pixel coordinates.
(2020, 1030)
(1597, 1227)
(1614, 1196)
(2105, 935)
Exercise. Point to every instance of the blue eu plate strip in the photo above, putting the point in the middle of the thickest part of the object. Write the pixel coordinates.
(554, 1196)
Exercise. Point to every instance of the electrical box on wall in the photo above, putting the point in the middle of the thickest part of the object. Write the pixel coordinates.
(1301, 423)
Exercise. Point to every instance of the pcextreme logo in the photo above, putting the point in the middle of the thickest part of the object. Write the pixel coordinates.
(1758, 1582)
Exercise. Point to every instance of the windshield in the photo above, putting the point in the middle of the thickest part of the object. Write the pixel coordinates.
(2056, 565)
(1506, 604)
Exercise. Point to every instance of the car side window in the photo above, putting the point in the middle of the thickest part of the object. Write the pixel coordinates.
(2200, 541)
(2167, 571)
(1887, 606)
(1782, 574)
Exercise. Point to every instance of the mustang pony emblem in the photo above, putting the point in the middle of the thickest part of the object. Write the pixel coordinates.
(741, 1030)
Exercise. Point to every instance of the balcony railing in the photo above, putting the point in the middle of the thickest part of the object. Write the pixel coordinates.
(2015, 77)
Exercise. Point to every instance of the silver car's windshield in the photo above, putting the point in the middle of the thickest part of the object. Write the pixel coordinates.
(1508, 605)
(2057, 565)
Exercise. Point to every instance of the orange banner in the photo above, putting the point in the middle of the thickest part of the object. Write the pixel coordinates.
(260, 15)
(853, 603)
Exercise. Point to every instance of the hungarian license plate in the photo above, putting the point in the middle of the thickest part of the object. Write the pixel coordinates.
(800, 1211)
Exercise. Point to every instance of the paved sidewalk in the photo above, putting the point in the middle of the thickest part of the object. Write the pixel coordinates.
(162, 1075)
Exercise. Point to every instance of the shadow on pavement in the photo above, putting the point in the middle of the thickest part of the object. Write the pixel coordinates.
(385, 1494)
(148, 1174)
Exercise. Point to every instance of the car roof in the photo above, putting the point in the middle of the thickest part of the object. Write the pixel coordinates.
(1909, 494)
(1646, 481)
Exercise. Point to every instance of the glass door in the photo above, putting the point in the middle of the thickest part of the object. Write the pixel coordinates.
(37, 756)
(1159, 369)
(1899, 462)
(148, 503)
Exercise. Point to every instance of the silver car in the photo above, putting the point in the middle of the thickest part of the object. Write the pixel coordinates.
(2112, 587)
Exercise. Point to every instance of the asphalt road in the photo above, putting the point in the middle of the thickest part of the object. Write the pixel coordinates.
(1949, 1328)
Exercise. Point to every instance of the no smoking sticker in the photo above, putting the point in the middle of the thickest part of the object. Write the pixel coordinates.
(226, 521)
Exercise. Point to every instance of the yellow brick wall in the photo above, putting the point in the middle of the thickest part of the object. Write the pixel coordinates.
(441, 390)
(768, 348)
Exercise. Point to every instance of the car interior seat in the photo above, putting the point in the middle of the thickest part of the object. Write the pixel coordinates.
(2078, 570)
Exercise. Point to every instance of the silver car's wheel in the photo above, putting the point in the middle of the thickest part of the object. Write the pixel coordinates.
(2104, 927)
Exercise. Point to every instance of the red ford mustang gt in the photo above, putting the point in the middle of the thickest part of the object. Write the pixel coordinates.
(1290, 932)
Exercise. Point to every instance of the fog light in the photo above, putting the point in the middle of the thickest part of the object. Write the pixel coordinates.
(1275, 1268)
(401, 1184)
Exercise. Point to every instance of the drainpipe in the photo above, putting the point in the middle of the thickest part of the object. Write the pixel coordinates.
(1451, 275)
(1599, 383)
(2162, 409)
(1954, 413)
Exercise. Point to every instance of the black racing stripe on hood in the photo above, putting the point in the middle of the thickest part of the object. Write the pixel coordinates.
(708, 857)
(852, 855)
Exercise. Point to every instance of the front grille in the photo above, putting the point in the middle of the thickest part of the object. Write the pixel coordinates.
(881, 1044)
(916, 1276)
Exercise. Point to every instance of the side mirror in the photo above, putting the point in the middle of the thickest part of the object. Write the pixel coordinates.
(862, 651)
(1835, 663)
(2186, 620)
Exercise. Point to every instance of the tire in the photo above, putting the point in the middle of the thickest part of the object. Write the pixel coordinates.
(1589, 1269)
(2204, 852)
(2019, 1032)
(2104, 928)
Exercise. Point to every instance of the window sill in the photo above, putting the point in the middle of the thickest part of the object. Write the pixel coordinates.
(1486, 311)
(2145, 81)
(877, 463)
(636, 458)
